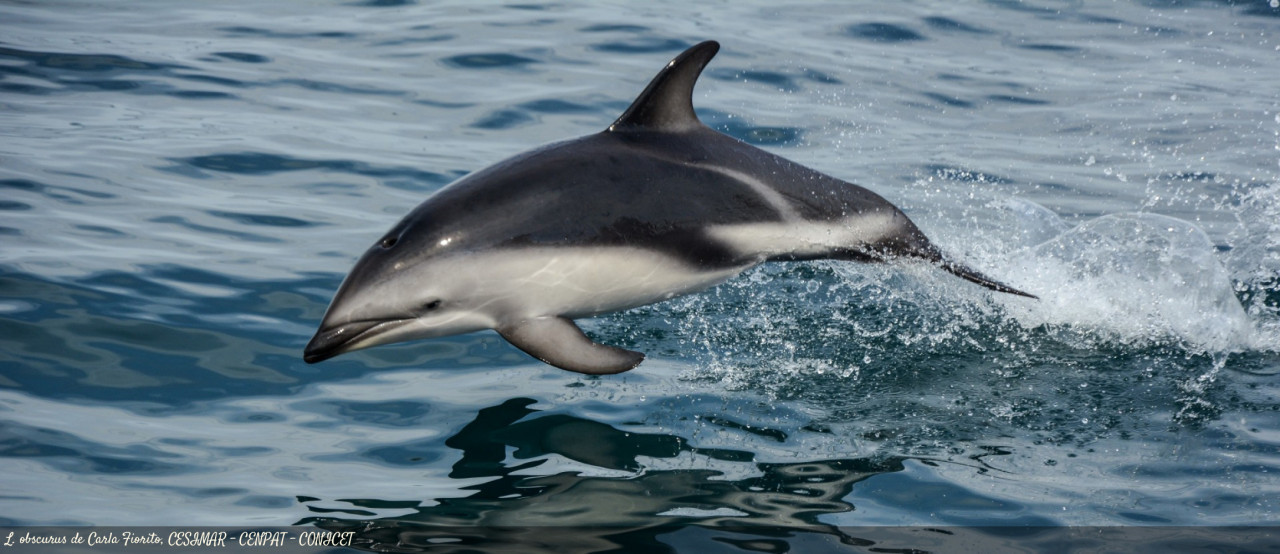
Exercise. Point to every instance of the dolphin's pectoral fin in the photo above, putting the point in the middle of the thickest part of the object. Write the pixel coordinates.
(559, 342)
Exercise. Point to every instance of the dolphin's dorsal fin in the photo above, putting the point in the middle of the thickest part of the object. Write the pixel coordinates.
(667, 103)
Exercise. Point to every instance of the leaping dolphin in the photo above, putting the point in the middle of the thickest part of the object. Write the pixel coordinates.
(656, 206)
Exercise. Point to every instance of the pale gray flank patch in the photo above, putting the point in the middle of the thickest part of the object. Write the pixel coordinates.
(771, 197)
(803, 237)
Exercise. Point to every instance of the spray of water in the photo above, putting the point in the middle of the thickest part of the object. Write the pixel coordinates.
(1139, 313)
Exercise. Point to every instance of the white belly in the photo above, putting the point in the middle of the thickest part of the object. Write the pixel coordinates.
(577, 282)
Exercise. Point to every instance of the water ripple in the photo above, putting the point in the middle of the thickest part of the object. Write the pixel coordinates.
(91, 63)
(642, 45)
(278, 34)
(243, 57)
(71, 453)
(883, 32)
(261, 219)
(68, 72)
(503, 119)
(261, 163)
(494, 60)
(947, 24)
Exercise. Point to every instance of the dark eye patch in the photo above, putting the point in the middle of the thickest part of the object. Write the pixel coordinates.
(432, 305)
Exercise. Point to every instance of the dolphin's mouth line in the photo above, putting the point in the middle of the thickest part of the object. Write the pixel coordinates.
(330, 342)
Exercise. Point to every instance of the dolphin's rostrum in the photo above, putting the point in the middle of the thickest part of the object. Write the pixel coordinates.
(656, 206)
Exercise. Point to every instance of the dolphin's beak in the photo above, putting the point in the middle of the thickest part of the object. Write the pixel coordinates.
(333, 340)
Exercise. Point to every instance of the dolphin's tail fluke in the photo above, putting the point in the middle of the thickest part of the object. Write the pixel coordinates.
(910, 242)
(973, 276)
(918, 247)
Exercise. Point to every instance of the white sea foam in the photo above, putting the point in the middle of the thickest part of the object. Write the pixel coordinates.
(1136, 279)
(1133, 279)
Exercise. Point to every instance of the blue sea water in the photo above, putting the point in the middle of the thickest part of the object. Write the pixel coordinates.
(184, 185)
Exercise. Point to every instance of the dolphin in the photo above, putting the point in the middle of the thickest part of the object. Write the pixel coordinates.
(656, 206)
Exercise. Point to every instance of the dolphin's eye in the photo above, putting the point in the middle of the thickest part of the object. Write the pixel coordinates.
(432, 304)
(389, 242)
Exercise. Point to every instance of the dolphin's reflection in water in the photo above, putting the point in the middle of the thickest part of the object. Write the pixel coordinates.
(641, 510)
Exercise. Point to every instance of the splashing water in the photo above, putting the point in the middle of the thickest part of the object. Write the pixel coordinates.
(1138, 314)
(1254, 260)
(1129, 280)
(1135, 279)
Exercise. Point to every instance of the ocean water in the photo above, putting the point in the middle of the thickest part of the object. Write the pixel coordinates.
(184, 185)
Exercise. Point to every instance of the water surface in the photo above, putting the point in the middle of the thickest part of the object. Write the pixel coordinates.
(183, 187)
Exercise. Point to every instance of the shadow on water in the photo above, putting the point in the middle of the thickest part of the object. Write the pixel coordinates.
(628, 506)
